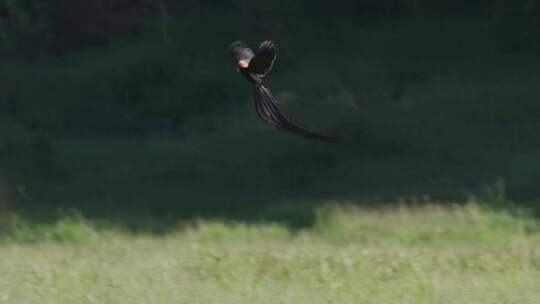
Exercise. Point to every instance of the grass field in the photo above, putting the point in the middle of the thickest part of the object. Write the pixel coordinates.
(431, 107)
(142, 138)
(424, 254)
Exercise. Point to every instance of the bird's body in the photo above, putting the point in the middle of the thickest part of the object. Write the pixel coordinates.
(253, 78)
(254, 66)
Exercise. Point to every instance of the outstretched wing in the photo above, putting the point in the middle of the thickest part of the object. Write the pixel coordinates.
(264, 58)
(241, 51)
(271, 114)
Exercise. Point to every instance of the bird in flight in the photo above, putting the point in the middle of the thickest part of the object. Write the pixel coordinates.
(254, 65)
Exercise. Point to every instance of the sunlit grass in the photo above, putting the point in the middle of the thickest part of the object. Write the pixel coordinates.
(429, 254)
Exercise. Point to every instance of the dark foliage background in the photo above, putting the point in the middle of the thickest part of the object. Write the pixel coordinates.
(131, 109)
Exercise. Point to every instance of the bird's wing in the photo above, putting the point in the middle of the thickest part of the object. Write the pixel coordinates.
(241, 51)
(268, 111)
(265, 55)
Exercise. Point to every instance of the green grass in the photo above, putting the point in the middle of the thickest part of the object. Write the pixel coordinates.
(429, 254)
(142, 138)
(425, 107)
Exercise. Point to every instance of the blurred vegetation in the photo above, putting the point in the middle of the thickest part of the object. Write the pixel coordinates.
(132, 108)
(430, 254)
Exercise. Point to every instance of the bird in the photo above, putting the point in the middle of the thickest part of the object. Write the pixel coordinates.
(254, 65)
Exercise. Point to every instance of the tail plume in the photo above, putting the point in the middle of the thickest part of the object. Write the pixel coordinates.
(269, 112)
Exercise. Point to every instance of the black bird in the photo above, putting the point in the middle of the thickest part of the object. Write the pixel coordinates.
(254, 66)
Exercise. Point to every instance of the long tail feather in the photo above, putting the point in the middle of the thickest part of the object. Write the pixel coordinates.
(269, 112)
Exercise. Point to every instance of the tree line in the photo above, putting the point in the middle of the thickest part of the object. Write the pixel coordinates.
(35, 28)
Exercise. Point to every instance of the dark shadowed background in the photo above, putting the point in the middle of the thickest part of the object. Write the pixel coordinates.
(131, 111)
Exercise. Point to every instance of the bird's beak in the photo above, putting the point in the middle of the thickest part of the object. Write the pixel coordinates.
(243, 64)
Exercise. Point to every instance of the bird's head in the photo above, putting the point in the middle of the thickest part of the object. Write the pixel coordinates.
(242, 54)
